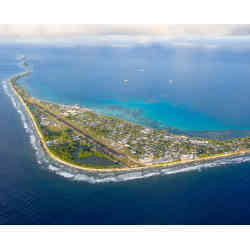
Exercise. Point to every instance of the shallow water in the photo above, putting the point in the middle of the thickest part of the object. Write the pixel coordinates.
(45, 161)
(185, 88)
(36, 190)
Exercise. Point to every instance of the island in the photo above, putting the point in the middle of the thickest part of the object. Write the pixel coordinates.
(79, 137)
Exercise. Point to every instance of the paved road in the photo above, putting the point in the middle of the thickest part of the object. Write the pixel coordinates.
(111, 150)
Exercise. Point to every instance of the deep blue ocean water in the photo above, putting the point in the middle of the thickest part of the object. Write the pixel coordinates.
(32, 194)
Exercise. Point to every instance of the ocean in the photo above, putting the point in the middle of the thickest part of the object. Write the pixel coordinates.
(181, 88)
(36, 190)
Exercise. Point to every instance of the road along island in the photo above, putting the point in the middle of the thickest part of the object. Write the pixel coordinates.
(80, 138)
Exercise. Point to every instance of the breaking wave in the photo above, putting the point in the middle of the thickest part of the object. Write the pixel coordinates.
(46, 162)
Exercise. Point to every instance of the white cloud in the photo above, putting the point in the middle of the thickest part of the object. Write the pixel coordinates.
(186, 36)
(57, 30)
(195, 45)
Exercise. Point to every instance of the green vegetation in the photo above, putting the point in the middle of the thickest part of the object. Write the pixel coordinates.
(65, 152)
(84, 153)
(136, 145)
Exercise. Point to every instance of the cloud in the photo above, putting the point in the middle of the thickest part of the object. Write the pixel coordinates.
(194, 45)
(67, 30)
(178, 36)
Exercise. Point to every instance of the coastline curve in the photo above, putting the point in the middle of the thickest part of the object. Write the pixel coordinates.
(132, 173)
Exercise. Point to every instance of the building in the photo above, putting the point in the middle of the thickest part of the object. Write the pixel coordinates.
(187, 157)
(51, 143)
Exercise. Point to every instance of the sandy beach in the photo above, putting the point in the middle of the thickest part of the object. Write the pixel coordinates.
(149, 166)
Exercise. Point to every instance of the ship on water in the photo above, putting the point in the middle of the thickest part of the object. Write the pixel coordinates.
(125, 82)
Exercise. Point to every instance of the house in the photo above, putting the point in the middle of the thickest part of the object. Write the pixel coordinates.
(76, 138)
(187, 157)
(51, 143)
(44, 121)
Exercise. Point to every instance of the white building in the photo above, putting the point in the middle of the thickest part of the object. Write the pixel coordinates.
(187, 157)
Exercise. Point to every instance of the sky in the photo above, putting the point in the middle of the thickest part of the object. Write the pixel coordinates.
(43, 30)
(122, 35)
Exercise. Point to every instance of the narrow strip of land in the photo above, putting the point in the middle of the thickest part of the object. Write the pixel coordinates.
(132, 164)
(113, 151)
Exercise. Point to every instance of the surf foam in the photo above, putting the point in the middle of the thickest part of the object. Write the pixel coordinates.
(46, 162)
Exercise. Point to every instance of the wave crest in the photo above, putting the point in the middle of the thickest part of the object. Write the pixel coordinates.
(45, 161)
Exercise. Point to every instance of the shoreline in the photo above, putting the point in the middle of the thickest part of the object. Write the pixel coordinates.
(146, 167)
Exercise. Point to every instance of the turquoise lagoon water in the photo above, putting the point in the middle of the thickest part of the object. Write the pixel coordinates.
(36, 190)
(194, 90)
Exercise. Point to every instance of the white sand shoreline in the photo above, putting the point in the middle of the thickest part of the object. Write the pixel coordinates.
(146, 167)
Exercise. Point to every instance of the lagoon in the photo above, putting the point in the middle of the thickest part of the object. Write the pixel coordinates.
(184, 89)
(36, 192)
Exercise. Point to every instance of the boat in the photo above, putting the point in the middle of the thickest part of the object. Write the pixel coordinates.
(125, 82)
